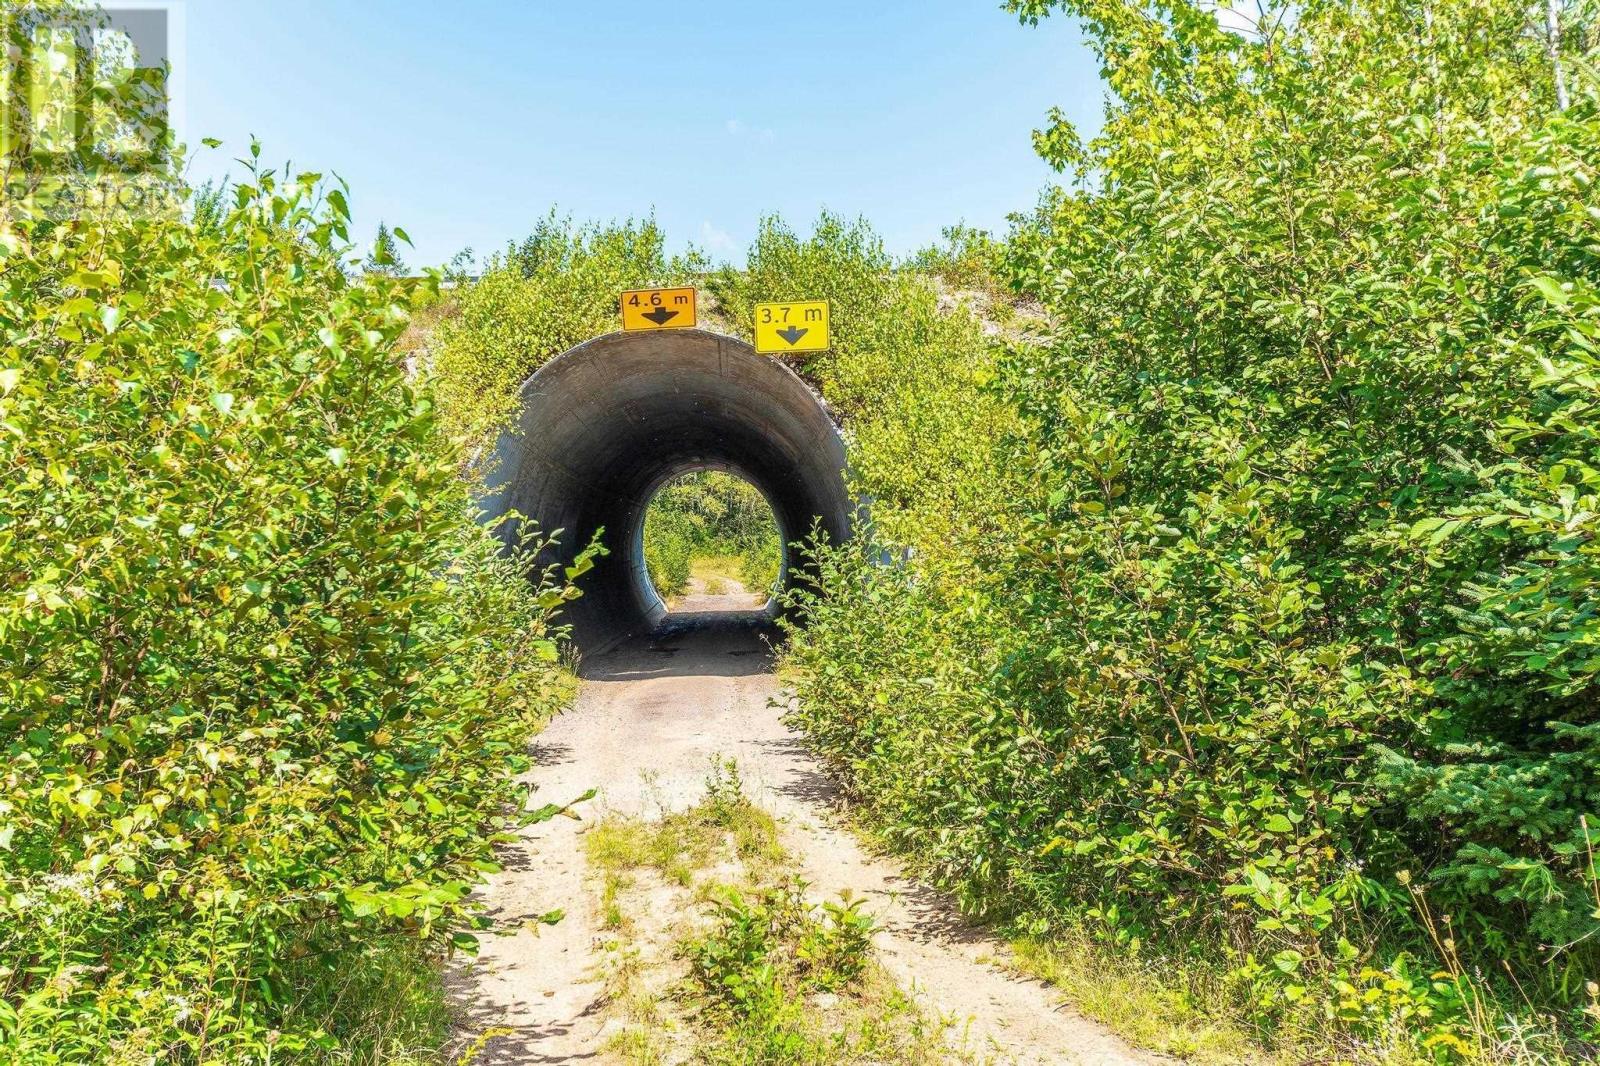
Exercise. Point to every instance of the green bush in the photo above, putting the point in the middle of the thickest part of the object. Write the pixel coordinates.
(265, 683)
(668, 552)
(553, 290)
(767, 952)
(843, 262)
(901, 376)
(968, 259)
(1272, 643)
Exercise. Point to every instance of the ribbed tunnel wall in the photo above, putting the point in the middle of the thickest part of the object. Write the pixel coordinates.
(605, 425)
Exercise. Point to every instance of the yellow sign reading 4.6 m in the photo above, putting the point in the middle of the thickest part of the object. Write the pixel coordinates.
(796, 327)
(658, 309)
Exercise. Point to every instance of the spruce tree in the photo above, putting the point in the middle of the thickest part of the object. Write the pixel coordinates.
(385, 255)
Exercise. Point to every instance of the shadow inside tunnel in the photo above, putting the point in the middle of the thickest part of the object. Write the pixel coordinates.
(711, 644)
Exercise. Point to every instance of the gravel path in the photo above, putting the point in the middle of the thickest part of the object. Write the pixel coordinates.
(647, 722)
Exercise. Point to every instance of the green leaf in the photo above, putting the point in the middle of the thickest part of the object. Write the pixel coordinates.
(1551, 289)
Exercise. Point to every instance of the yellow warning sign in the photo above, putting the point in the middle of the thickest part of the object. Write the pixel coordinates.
(796, 327)
(658, 309)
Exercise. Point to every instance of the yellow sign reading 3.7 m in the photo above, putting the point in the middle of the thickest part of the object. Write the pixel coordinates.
(658, 309)
(793, 327)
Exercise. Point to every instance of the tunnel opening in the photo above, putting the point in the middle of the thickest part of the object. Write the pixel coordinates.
(603, 427)
(712, 545)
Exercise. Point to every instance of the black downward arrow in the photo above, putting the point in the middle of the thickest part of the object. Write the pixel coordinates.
(793, 335)
(661, 316)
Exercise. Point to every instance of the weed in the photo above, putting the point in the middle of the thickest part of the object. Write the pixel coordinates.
(772, 977)
(1162, 1007)
(386, 1000)
(773, 938)
(685, 842)
(780, 979)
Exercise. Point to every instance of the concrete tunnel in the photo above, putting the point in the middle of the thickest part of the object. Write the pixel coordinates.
(602, 427)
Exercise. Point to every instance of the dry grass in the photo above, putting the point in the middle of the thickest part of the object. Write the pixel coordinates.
(1147, 1008)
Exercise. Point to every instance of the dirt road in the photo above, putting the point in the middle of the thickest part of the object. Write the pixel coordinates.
(647, 722)
(729, 595)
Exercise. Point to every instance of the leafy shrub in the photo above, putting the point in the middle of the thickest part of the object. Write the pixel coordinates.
(769, 949)
(266, 683)
(1270, 642)
(668, 554)
(1311, 414)
(968, 259)
(545, 294)
(901, 376)
(842, 262)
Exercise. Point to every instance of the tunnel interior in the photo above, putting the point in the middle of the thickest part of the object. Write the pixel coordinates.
(602, 427)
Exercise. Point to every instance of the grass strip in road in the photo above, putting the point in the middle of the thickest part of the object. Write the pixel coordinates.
(718, 955)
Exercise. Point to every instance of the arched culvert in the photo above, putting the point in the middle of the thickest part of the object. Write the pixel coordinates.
(603, 426)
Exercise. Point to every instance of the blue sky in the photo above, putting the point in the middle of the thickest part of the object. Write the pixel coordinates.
(464, 122)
